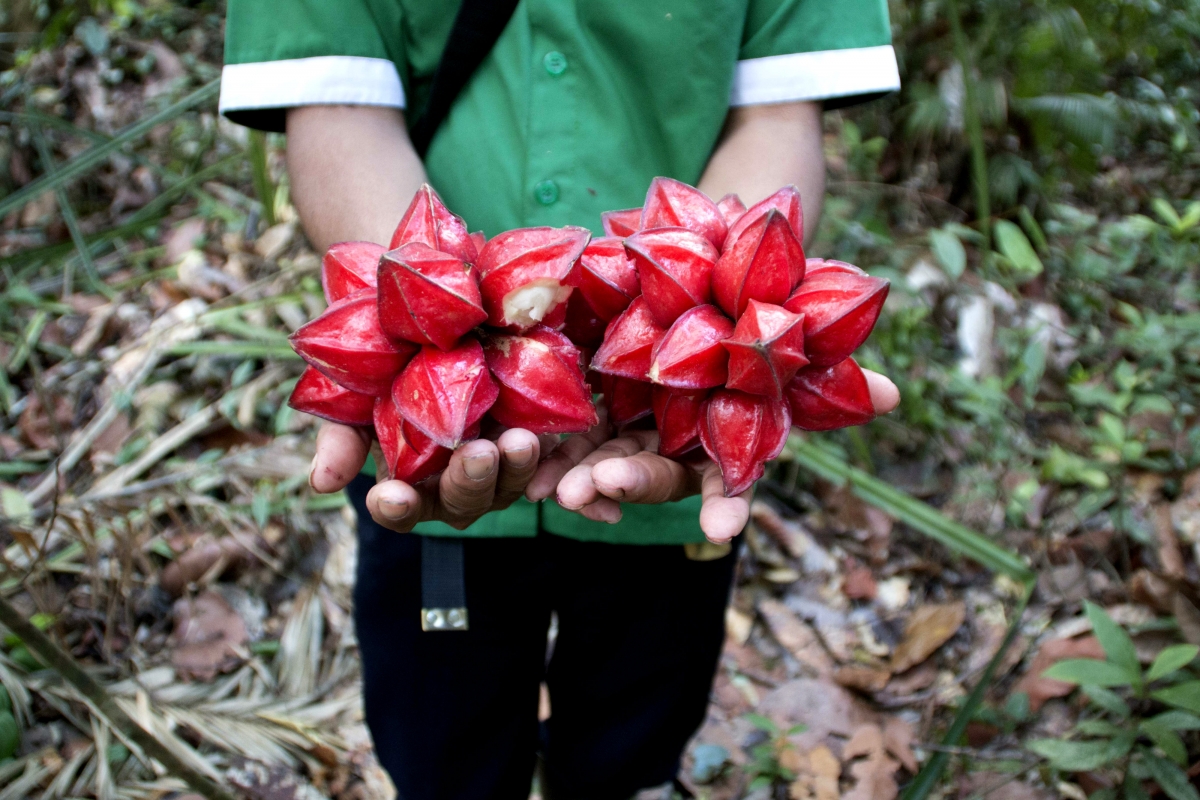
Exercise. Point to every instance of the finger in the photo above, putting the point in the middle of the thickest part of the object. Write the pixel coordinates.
(519, 451)
(558, 463)
(396, 505)
(721, 517)
(468, 484)
(576, 488)
(603, 510)
(341, 453)
(884, 394)
(643, 478)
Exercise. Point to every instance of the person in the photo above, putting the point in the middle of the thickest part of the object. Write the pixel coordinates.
(577, 106)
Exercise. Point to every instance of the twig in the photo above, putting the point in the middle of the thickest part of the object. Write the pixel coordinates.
(979, 171)
(66, 666)
(164, 444)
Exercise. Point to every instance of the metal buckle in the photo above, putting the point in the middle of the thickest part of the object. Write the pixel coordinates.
(443, 619)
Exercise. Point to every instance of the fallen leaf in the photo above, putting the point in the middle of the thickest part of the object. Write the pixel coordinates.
(893, 594)
(796, 636)
(823, 707)
(817, 777)
(1188, 617)
(858, 583)
(36, 424)
(929, 627)
(917, 679)
(274, 241)
(215, 556)
(182, 238)
(206, 637)
(898, 737)
(1039, 688)
(1170, 559)
(1000, 786)
(875, 775)
(862, 678)
(262, 782)
(738, 625)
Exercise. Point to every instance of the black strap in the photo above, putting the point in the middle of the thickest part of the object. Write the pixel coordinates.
(443, 589)
(477, 26)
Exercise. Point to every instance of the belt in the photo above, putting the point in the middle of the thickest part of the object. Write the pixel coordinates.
(443, 588)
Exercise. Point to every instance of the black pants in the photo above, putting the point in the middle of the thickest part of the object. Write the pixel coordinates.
(454, 714)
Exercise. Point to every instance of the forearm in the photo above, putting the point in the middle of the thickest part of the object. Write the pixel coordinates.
(766, 147)
(352, 170)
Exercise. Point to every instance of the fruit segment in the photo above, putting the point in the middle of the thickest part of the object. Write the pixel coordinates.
(766, 349)
(815, 265)
(349, 347)
(427, 297)
(677, 416)
(673, 204)
(625, 222)
(429, 222)
(541, 385)
(409, 454)
(608, 279)
(348, 267)
(442, 393)
(840, 309)
(765, 264)
(627, 400)
(628, 342)
(690, 355)
(525, 274)
(317, 395)
(731, 208)
(675, 266)
(827, 398)
(742, 432)
(786, 201)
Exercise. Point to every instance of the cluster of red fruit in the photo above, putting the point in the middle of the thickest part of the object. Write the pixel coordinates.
(706, 315)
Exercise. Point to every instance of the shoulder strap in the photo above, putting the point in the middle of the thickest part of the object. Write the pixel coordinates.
(477, 26)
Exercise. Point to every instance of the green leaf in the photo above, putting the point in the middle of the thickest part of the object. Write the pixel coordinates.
(1097, 727)
(1107, 699)
(1184, 695)
(1166, 212)
(15, 507)
(949, 252)
(1171, 659)
(1089, 670)
(1171, 778)
(1113, 638)
(762, 723)
(1167, 740)
(1015, 246)
(1080, 756)
(1177, 720)
(10, 735)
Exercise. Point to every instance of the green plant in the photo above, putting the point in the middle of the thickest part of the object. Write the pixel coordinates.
(766, 767)
(1134, 717)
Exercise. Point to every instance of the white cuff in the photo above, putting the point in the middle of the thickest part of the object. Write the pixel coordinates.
(333, 80)
(818, 75)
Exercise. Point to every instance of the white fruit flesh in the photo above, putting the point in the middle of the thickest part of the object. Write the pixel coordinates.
(529, 305)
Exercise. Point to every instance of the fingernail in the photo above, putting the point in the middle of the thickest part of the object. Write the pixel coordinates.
(479, 467)
(312, 468)
(392, 509)
(519, 456)
(558, 499)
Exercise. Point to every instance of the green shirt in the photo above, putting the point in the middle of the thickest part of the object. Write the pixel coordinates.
(578, 106)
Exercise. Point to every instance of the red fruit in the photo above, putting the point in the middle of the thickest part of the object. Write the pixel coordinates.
(628, 342)
(786, 201)
(690, 355)
(742, 432)
(317, 395)
(608, 278)
(675, 266)
(525, 274)
(765, 264)
(621, 223)
(840, 309)
(583, 326)
(347, 345)
(411, 456)
(479, 240)
(443, 393)
(348, 267)
(815, 265)
(827, 398)
(427, 297)
(677, 416)
(627, 399)
(731, 208)
(429, 222)
(674, 204)
(766, 349)
(541, 385)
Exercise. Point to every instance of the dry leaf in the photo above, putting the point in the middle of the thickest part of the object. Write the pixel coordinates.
(1170, 559)
(738, 625)
(207, 555)
(858, 583)
(929, 627)
(898, 737)
(796, 636)
(207, 633)
(875, 775)
(822, 706)
(817, 779)
(37, 426)
(862, 678)
(1039, 688)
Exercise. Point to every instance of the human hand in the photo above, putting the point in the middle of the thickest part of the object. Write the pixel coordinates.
(482, 475)
(628, 469)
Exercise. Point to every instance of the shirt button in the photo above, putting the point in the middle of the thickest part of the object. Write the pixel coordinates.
(546, 193)
(555, 62)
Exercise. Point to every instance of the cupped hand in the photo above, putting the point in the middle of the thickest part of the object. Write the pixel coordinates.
(628, 469)
(482, 476)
